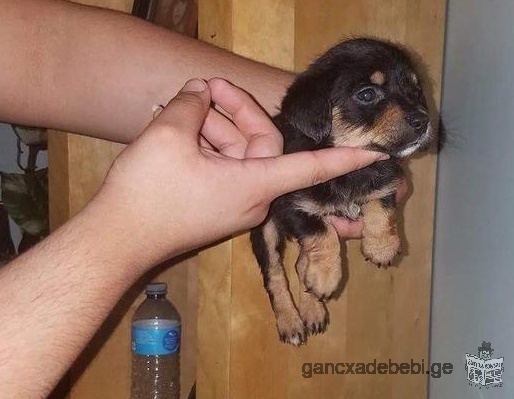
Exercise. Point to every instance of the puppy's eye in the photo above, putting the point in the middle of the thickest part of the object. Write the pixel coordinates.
(367, 95)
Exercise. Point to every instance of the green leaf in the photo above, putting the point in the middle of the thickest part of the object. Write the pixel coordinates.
(25, 197)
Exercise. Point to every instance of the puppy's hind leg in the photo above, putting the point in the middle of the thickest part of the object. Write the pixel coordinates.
(324, 271)
(312, 309)
(268, 247)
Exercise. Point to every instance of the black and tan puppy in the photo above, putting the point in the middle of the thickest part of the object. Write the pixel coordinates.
(361, 93)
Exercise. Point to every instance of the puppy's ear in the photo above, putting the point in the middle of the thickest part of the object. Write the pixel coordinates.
(308, 107)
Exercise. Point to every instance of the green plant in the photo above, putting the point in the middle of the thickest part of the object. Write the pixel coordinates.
(25, 195)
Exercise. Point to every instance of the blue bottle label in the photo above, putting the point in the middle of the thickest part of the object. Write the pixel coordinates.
(155, 337)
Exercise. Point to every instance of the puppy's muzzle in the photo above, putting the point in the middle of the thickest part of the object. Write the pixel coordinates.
(418, 120)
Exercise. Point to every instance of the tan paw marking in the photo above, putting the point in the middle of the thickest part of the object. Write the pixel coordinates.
(291, 328)
(381, 250)
(313, 313)
(380, 243)
(322, 279)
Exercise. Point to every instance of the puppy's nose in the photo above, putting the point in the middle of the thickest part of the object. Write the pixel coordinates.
(418, 120)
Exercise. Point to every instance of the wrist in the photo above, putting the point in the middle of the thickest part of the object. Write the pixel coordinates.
(121, 237)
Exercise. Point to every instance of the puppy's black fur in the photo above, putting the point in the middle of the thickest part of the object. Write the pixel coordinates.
(361, 93)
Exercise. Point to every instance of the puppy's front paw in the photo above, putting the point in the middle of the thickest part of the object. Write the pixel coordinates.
(323, 271)
(313, 312)
(381, 250)
(291, 328)
(323, 280)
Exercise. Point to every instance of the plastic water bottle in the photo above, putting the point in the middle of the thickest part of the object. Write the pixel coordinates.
(155, 347)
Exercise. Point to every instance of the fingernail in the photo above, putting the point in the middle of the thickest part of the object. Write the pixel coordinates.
(156, 110)
(194, 86)
(381, 156)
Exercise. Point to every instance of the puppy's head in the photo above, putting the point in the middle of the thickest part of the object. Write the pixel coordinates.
(361, 93)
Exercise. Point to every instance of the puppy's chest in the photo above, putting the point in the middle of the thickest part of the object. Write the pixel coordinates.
(332, 199)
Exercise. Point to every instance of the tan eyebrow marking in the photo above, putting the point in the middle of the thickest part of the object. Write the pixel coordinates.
(377, 78)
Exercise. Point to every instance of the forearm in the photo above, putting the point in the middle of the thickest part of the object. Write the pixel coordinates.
(99, 72)
(55, 297)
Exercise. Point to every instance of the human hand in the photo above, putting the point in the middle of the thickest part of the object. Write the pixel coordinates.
(195, 175)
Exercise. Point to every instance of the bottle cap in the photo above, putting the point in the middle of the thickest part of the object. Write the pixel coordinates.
(156, 288)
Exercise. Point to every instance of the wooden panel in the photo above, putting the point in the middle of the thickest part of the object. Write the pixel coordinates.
(264, 31)
(77, 168)
(89, 160)
(58, 179)
(214, 321)
(215, 22)
(387, 312)
(381, 314)
(230, 289)
(215, 263)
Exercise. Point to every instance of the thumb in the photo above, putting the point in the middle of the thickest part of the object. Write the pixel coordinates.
(304, 169)
(185, 114)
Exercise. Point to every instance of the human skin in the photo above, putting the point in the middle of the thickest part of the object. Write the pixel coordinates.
(98, 72)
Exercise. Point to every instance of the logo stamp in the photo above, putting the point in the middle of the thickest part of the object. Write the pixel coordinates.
(483, 370)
